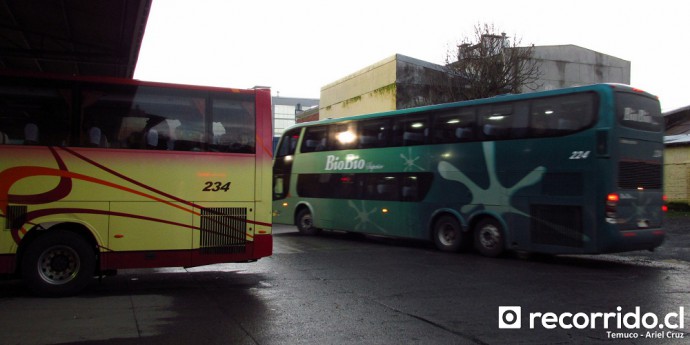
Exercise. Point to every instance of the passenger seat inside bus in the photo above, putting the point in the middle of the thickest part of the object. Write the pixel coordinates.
(97, 138)
(567, 125)
(152, 139)
(464, 133)
(31, 134)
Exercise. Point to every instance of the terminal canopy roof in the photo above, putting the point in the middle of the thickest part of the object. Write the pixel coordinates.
(77, 37)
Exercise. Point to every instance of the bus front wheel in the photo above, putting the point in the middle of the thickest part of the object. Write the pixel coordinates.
(58, 263)
(305, 223)
(448, 235)
(488, 238)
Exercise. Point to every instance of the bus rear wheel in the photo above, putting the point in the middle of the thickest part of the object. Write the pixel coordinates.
(305, 223)
(448, 235)
(58, 263)
(488, 238)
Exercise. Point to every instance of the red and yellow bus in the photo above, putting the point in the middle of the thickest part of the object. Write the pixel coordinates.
(100, 174)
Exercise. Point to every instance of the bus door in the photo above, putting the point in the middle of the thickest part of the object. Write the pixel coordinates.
(282, 173)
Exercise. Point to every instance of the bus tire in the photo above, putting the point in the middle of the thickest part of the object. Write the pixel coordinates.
(58, 263)
(305, 222)
(488, 238)
(448, 234)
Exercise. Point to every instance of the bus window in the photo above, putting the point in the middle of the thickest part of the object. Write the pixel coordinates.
(561, 115)
(289, 144)
(410, 130)
(496, 121)
(234, 124)
(146, 117)
(35, 115)
(639, 112)
(315, 139)
(382, 187)
(373, 133)
(454, 126)
(342, 136)
(282, 165)
(504, 121)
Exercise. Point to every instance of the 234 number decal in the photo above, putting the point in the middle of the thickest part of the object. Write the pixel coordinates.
(211, 186)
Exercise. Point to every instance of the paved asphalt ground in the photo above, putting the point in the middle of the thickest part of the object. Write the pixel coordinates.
(334, 290)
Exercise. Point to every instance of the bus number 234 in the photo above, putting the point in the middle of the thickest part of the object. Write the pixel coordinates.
(579, 155)
(210, 186)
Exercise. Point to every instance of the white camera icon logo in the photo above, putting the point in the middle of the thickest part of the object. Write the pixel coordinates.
(509, 317)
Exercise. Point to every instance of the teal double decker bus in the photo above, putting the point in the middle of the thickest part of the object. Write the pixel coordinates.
(569, 171)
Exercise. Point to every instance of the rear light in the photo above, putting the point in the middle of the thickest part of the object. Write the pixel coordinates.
(664, 207)
(611, 206)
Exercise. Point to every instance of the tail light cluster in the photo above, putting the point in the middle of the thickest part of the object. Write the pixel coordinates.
(611, 207)
(612, 200)
(664, 207)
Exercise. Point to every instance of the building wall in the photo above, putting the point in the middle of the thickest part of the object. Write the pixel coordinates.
(569, 65)
(360, 92)
(285, 110)
(400, 82)
(677, 173)
(397, 82)
(421, 83)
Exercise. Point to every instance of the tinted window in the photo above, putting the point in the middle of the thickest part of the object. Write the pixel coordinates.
(289, 143)
(373, 133)
(143, 118)
(35, 115)
(639, 112)
(234, 125)
(562, 114)
(365, 186)
(504, 121)
(455, 126)
(342, 136)
(410, 130)
(154, 118)
(315, 139)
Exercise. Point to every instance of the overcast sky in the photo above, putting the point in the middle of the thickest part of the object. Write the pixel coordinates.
(298, 46)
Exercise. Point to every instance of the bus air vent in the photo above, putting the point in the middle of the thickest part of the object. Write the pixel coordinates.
(16, 217)
(223, 230)
(557, 225)
(635, 175)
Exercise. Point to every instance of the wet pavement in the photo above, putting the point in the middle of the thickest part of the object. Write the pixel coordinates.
(342, 289)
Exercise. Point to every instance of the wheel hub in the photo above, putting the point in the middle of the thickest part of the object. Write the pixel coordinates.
(58, 265)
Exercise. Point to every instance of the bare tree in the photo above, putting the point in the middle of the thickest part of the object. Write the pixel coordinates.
(491, 64)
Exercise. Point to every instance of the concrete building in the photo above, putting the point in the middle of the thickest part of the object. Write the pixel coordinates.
(400, 81)
(396, 82)
(285, 109)
(569, 65)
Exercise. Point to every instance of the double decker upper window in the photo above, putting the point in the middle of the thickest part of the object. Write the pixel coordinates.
(523, 119)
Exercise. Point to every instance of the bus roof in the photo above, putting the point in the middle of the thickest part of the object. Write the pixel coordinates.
(118, 81)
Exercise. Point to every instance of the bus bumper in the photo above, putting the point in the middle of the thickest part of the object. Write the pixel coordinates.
(263, 246)
(637, 240)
